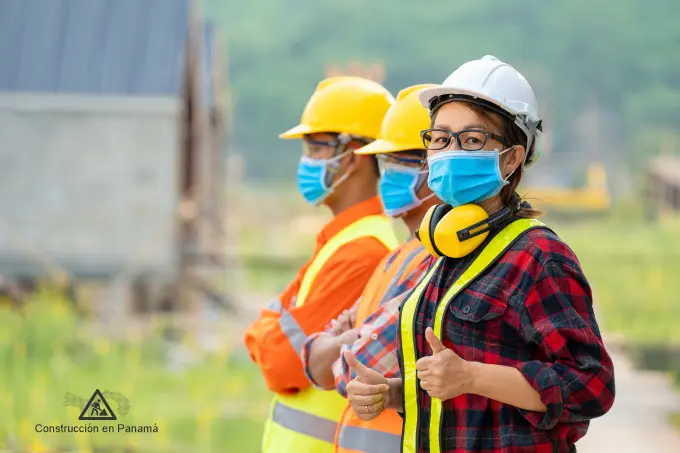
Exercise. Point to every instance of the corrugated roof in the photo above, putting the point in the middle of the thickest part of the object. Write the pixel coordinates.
(125, 47)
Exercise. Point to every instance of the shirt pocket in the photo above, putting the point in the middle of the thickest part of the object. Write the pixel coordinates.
(475, 320)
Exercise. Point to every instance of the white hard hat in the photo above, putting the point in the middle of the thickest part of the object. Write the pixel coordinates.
(498, 83)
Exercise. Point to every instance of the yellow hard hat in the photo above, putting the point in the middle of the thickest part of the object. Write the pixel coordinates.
(402, 125)
(344, 105)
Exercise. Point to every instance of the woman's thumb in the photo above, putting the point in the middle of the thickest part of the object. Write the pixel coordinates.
(435, 343)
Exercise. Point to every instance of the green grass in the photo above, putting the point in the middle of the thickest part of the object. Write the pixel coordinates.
(633, 268)
(216, 404)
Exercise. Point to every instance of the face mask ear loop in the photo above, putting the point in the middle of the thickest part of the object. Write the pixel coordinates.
(420, 181)
(507, 178)
(334, 162)
(420, 202)
(338, 182)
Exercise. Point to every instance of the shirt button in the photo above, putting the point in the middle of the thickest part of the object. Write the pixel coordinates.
(466, 309)
(374, 336)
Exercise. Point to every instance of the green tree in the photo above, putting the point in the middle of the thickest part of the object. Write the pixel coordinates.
(624, 54)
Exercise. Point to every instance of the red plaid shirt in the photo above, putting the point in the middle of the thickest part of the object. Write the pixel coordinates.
(531, 310)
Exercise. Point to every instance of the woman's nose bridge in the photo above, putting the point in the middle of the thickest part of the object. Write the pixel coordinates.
(453, 144)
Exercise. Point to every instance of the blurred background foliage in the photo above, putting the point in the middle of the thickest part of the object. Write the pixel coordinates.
(617, 57)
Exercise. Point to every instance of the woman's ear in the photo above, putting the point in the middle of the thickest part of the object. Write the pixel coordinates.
(513, 159)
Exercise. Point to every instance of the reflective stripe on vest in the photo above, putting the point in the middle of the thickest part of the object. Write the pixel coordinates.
(274, 305)
(493, 251)
(307, 421)
(366, 440)
(382, 434)
(304, 423)
(292, 330)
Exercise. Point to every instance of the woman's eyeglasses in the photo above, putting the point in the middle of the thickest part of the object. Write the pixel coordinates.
(415, 158)
(467, 140)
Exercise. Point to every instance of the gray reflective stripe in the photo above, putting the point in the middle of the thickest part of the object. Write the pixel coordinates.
(304, 423)
(274, 305)
(368, 440)
(291, 328)
(397, 277)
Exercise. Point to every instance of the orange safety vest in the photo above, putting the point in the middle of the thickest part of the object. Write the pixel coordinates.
(306, 421)
(382, 434)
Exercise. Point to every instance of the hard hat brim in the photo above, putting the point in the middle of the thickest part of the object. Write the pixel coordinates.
(381, 147)
(428, 94)
(298, 131)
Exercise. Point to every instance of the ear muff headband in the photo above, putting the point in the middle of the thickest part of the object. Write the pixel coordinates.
(437, 215)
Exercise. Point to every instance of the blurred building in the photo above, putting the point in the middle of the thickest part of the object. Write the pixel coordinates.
(663, 185)
(110, 140)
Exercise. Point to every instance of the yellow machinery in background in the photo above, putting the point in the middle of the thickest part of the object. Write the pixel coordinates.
(591, 199)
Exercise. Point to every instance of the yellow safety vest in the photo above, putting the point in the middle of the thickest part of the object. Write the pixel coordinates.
(493, 251)
(307, 421)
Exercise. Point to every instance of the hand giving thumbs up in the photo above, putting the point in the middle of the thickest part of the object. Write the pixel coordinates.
(367, 392)
(444, 375)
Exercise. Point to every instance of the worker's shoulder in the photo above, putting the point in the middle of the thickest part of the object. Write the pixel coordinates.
(545, 246)
(366, 249)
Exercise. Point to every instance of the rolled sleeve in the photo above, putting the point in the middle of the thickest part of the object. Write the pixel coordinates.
(342, 372)
(576, 380)
(549, 386)
(304, 356)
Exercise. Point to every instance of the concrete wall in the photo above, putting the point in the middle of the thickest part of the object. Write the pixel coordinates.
(88, 183)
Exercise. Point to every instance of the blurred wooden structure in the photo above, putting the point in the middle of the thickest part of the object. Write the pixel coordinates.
(111, 138)
(662, 177)
(592, 198)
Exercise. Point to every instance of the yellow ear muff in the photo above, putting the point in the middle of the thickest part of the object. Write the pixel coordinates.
(439, 229)
(427, 227)
(445, 235)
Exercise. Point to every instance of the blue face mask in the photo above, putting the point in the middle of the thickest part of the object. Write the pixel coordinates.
(462, 177)
(398, 188)
(313, 178)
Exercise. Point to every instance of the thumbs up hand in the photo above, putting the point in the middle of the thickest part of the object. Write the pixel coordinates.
(443, 375)
(368, 392)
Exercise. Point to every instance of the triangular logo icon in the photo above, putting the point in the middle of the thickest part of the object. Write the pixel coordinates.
(97, 408)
